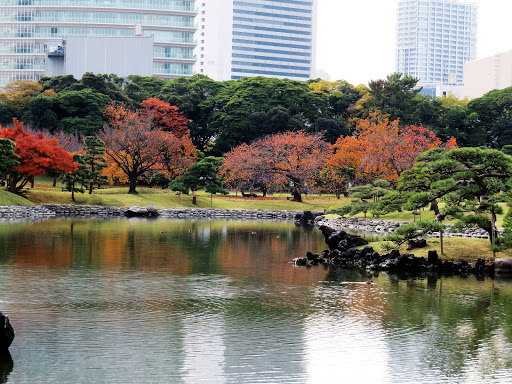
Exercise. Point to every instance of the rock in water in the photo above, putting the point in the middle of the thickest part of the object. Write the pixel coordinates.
(6, 333)
(152, 211)
(136, 212)
(503, 265)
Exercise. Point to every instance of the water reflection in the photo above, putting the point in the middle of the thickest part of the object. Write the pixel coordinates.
(134, 301)
(6, 366)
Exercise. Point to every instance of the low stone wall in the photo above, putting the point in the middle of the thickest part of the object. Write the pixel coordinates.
(360, 224)
(384, 227)
(239, 214)
(55, 210)
(84, 210)
(18, 212)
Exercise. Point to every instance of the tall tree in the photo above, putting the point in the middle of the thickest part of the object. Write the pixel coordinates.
(8, 159)
(203, 174)
(242, 171)
(80, 112)
(238, 100)
(165, 117)
(382, 149)
(134, 144)
(139, 88)
(395, 96)
(193, 96)
(291, 160)
(491, 119)
(94, 159)
(77, 181)
(16, 95)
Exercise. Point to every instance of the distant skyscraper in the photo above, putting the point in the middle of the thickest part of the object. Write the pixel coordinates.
(26, 26)
(273, 38)
(434, 40)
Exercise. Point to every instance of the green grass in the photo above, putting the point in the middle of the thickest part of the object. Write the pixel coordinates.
(45, 193)
(454, 249)
(7, 198)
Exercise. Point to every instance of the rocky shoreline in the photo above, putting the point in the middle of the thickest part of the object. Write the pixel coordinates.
(342, 252)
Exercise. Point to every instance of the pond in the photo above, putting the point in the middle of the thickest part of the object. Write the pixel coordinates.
(167, 301)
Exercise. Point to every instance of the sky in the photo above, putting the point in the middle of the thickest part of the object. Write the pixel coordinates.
(357, 38)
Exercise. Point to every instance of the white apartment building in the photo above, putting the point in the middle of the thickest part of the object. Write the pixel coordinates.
(484, 75)
(273, 38)
(434, 40)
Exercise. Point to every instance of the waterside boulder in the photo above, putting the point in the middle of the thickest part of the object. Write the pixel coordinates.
(503, 266)
(134, 211)
(6, 333)
(308, 217)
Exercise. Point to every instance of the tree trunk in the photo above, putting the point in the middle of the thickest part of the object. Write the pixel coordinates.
(434, 206)
(12, 184)
(194, 198)
(297, 196)
(441, 241)
(338, 195)
(73, 193)
(55, 181)
(211, 200)
(32, 181)
(133, 185)
(92, 181)
(264, 190)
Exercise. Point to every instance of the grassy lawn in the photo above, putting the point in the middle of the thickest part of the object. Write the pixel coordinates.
(168, 199)
(454, 249)
(45, 193)
(7, 198)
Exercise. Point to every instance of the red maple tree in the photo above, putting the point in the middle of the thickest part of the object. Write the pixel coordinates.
(38, 156)
(290, 160)
(136, 146)
(165, 117)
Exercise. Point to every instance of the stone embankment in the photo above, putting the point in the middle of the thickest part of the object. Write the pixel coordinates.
(384, 227)
(40, 212)
(237, 214)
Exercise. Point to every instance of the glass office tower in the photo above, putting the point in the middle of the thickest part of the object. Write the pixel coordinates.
(434, 40)
(25, 26)
(273, 38)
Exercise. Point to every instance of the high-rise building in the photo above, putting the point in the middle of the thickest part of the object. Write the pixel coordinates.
(273, 38)
(26, 26)
(434, 40)
(484, 75)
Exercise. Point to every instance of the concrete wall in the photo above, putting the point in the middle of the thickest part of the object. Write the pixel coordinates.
(123, 56)
(484, 75)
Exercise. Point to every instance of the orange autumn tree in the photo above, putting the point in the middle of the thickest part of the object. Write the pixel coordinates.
(244, 169)
(165, 117)
(136, 145)
(37, 156)
(382, 149)
(292, 159)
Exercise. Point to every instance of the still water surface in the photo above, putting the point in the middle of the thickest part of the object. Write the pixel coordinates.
(135, 301)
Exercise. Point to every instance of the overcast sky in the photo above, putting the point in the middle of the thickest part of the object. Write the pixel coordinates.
(357, 43)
